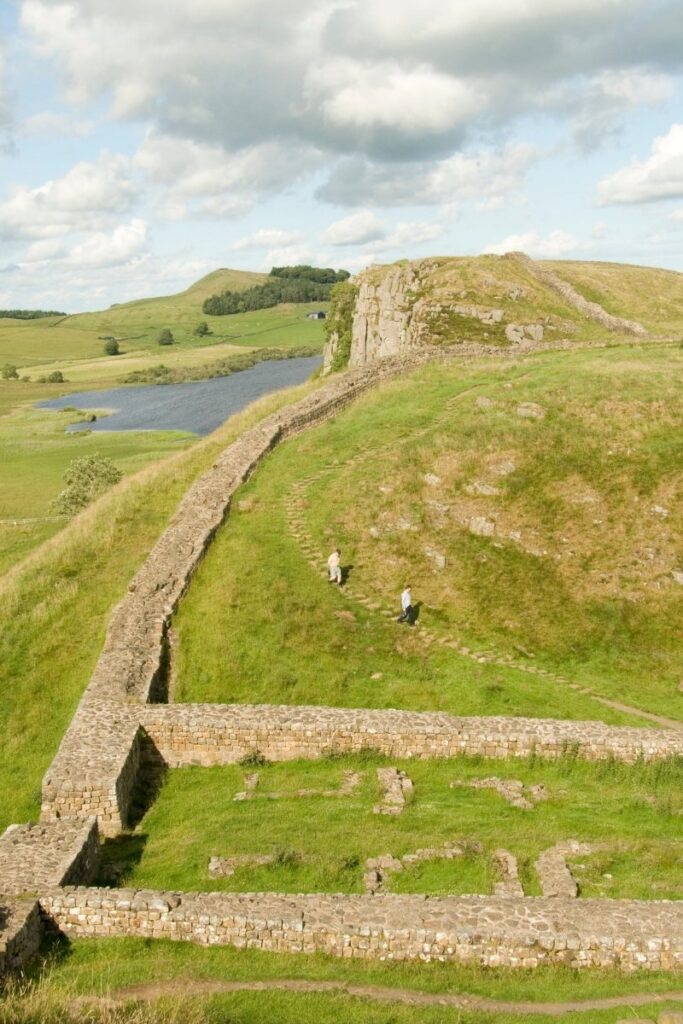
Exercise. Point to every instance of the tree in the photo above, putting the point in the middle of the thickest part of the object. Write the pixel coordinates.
(202, 329)
(165, 337)
(111, 347)
(9, 372)
(56, 377)
(86, 478)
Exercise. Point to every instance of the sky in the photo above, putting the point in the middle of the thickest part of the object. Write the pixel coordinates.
(145, 143)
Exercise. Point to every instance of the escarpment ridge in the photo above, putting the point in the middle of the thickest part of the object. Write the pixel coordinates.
(487, 303)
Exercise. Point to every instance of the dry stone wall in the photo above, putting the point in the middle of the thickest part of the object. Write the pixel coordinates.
(213, 734)
(491, 931)
(36, 857)
(21, 932)
(592, 310)
(99, 758)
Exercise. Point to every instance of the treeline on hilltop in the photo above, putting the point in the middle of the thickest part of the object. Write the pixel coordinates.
(285, 284)
(28, 314)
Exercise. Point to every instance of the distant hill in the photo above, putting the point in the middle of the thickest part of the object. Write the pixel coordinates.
(137, 325)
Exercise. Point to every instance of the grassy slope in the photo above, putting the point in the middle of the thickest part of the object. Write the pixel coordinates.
(653, 297)
(323, 842)
(55, 604)
(586, 585)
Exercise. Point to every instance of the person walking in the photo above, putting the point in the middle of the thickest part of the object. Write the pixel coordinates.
(334, 567)
(406, 606)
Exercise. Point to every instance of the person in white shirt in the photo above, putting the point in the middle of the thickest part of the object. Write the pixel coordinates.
(406, 606)
(334, 567)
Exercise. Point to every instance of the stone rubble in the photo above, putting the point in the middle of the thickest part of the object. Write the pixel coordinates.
(553, 872)
(397, 791)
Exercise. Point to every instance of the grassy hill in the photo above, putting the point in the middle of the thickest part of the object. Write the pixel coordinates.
(261, 622)
(536, 508)
(39, 344)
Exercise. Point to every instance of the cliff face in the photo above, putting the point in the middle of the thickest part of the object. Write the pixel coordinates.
(382, 321)
(487, 301)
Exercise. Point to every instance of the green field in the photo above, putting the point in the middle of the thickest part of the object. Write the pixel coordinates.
(54, 606)
(320, 843)
(38, 346)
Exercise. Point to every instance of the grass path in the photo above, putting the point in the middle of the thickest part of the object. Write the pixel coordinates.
(150, 991)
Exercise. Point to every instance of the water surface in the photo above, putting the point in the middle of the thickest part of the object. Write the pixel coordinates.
(198, 406)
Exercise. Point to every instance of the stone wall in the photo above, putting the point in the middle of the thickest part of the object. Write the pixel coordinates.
(211, 734)
(37, 857)
(21, 932)
(592, 310)
(491, 931)
(96, 765)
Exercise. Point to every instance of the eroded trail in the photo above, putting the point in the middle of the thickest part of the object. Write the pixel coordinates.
(383, 993)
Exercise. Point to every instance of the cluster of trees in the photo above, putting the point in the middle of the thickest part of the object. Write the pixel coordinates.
(27, 314)
(10, 372)
(286, 284)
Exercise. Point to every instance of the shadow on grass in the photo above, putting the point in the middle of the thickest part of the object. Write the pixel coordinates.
(118, 858)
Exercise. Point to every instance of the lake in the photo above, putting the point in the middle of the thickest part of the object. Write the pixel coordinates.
(198, 406)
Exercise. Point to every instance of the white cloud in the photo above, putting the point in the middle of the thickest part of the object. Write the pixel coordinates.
(660, 176)
(49, 122)
(206, 180)
(107, 250)
(413, 101)
(286, 256)
(609, 95)
(376, 79)
(409, 233)
(267, 238)
(489, 173)
(677, 215)
(86, 197)
(553, 246)
(357, 229)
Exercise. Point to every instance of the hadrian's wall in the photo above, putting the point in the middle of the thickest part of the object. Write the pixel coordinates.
(21, 932)
(213, 734)
(491, 931)
(96, 765)
(118, 739)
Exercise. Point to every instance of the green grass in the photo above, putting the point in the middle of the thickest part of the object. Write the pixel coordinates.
(321, 843)
(108, 966)
(36, 451)
(652, 296)
(598, 603)
(54, 606)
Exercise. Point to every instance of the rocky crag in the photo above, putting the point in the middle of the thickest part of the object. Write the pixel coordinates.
(483, 304)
